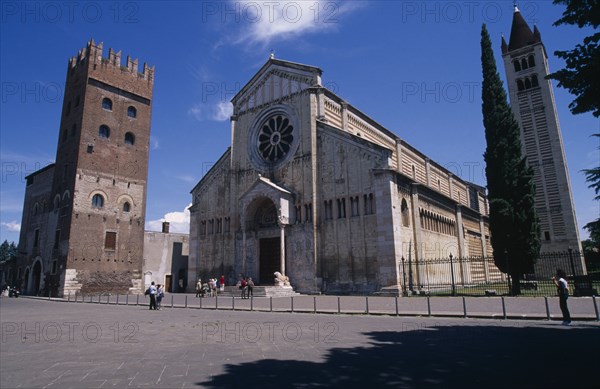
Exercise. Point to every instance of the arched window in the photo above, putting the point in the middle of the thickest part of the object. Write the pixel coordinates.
(531, 61)
(104, 131)
(129, 138)
(97, 201)
(527, 83)
(523, 64)
(131, 112)
(74, 130)
(126, 206)
(405, 214)
(517, 66)
(520, 85)
(534, 81)
(107, 104)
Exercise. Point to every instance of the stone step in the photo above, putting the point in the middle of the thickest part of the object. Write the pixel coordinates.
(260, 291)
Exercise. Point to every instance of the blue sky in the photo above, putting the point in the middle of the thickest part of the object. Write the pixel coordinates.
(413, 66)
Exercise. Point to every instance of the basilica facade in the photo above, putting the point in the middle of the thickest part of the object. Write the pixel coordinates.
(315, 189)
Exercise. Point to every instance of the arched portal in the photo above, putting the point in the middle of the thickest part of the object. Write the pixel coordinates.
(262, 220)
(36, 277)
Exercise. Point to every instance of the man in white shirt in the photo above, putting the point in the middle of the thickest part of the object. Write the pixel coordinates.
(560, 280)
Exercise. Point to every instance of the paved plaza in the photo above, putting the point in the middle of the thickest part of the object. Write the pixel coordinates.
(48, 344)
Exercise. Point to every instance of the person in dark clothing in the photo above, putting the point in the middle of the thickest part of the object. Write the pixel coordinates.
(562, 286)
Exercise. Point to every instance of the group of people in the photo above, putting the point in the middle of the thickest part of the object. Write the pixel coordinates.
(246, 285)
(210, 288)
(156, 293)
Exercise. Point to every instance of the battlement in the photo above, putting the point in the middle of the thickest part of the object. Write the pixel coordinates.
(93, 54)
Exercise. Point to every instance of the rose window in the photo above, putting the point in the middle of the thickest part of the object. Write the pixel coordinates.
(275, 138)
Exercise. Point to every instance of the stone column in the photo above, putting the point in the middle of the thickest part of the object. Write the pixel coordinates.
(282, 256)
(244, 253)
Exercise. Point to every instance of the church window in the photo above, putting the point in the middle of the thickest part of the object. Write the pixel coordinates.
(520, 85)
(368, 204)
(131, 112)
(341, 204)
(54, 266)
(97, 201)
(328, 210)
(126, 206)
(527, 83)
(104, 131)
(531, 61)
(524, 64)
(405, 214)
(74, 130)
(36, 237)
(56, 239)
(547, 235)
(517, 66)
(354, 206)
(107, 104)
(129, 138)
(68, 108)
(307, 212)
(211, 227)
(534, 81)
(110, 240)
(275, 138)
(227, 224)
(203, 227)
(298, 209)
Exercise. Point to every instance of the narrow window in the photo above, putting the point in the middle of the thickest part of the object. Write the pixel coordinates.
(534, 81)
(531, 60)
(74, 130)
(77, 100)
(520, 85)
(126, 207)
(404, 212)
(110, 241)
(36, 238)
(524, 64)
(56, 238)
(129, 138)
(97, 201)
(68, 108)
(527, 83)
(90, 149)
(107, 104)
(64, 134)
(132, 112)
(547, 235)
(104, 131)
(54, 266)
(517, 66)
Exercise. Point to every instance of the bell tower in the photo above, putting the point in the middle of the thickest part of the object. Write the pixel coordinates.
(532, 102)
(99, 184)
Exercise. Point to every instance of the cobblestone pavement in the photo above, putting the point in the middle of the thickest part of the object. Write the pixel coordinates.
(46, 344)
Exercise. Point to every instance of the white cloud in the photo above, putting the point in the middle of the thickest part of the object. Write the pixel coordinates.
(220, 112)
(178, 222)
(187, 179)
(154, 144)
(13, 226)
(267, 21)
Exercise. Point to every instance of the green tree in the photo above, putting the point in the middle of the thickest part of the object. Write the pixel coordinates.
(514, 226)
(8, 251)
(581, 75)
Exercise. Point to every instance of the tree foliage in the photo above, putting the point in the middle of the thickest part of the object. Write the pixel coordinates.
(8, 251)
(581, 75)
(514, 226)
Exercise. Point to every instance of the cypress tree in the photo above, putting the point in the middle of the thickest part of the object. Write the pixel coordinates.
(514, 226)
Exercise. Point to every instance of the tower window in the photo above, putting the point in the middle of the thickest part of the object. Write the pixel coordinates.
(68, 108)
(107, 104)
(547, 235)
(129, 138)
(97, 201)
(77, 100)
(531, 61)
(517, 66)
(110, 240)
(126, 207)
(404, 213)
(131, 112)
(524, 64)
(527, 83)
(520, 85)
(74, 130)
(534, 81)
(64, 134)
(104, 131)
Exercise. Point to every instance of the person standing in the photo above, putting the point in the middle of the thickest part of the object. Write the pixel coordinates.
(562, 286)
(152, 293)
(198, 287)
(160, 293)
(222, 283)
(250, 286)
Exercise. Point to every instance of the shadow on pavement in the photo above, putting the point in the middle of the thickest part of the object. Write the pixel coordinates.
(443, 356)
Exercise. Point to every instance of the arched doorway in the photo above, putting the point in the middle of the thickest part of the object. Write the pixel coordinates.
(262, 220)
(36, 277)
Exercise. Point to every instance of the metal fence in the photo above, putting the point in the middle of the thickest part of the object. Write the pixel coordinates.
(479, 276)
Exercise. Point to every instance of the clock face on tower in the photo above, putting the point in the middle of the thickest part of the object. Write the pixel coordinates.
(273, 137)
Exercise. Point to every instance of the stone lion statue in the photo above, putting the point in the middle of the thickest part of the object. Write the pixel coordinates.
(281, 280)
